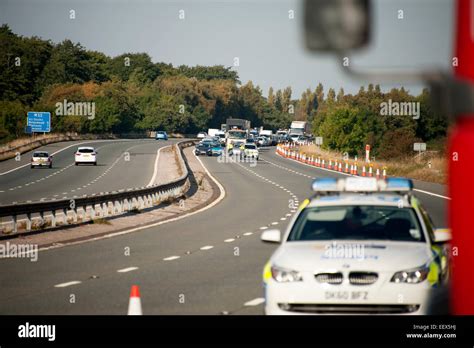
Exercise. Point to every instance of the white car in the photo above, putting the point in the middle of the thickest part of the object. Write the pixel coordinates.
(201, 135)
(41, 159)
(251, 151)
(359, 246)
(85, 154)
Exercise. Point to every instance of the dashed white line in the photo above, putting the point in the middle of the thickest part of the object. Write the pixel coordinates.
(171, 258)
(128, 269)
(229, 240)
(63, 285)
(206, 247)
(254, 302)
(248, 233)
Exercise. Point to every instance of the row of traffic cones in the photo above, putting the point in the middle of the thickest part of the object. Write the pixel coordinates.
(336, 165)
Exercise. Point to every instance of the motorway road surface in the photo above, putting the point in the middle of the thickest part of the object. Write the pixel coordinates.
(20, 183)
(207, 263)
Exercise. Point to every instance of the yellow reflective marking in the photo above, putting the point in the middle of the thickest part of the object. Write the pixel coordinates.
(267, 272)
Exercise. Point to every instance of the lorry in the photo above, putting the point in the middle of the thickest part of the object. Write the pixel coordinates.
(237, 123)
(299, 128)
(212, 132)
(235, 135)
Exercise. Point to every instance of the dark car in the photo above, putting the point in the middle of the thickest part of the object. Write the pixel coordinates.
(202, 148)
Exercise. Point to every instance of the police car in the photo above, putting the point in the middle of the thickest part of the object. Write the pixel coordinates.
(359, 246)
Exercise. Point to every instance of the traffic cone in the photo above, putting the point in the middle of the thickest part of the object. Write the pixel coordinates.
(135, 304)
(340, 167)
(370, 171)
(363, 170)
(318, 162)
(330, 164)
(377, 174)
(352, 169)
(356, 170)
(346, 170)
(322, 163)
(384, 173)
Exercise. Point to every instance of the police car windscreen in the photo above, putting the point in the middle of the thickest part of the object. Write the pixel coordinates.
(357, 223)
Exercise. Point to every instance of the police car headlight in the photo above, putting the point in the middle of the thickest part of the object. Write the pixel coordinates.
(412, 276)
(282, 275)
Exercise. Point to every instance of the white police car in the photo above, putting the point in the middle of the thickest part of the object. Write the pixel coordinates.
(359, 246)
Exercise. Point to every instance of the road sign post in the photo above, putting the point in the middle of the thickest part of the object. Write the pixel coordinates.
(420, 147)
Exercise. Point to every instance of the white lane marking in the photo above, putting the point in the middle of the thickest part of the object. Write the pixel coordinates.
(135, 229)
(275, 223)
(63, 285)
(155, 167)
(254, 302)
(263, 227)
(61, 150)
(128, 269)
(229, 240)
(329, 170)
(171, 258)
(432, 194)
(248, 233)
(283, 218)
(206, 247)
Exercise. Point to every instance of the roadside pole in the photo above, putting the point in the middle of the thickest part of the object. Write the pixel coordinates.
(461, 167)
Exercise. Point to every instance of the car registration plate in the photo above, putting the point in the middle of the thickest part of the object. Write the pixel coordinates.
(346, 295)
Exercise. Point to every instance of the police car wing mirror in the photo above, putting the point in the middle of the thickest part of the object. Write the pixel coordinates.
(271, 236)
(442, 235)
(336, 25)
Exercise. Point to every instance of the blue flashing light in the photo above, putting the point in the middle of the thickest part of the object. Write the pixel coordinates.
(399, 184)
(325, 185)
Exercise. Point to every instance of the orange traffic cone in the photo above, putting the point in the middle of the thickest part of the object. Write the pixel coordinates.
(384, 173)
(377, 174)
(363, 171)
(347, 168)
(370, 171)
(135, 304)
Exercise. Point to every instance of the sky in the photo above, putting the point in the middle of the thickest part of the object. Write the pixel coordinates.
(268, 44)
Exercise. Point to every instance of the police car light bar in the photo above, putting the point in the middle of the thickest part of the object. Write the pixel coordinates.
(326, 185)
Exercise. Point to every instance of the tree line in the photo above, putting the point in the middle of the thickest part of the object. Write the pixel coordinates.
(133, 94)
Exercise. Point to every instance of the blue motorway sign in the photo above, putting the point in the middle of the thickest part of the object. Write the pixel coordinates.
(39, 121)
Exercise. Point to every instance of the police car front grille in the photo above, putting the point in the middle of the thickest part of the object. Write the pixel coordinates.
(329, 278)
(363, 278)
(347, 308)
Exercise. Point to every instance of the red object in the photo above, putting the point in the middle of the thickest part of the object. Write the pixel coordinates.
(461, 165)
(367, 147)
(135, 292)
